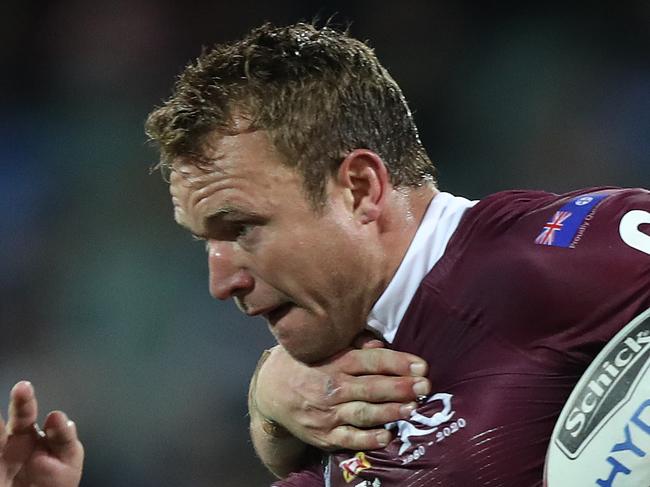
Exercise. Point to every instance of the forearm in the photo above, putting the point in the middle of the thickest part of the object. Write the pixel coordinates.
(279, 450)
(280, 454)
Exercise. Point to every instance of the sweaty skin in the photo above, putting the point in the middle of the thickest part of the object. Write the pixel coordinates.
(312, 274)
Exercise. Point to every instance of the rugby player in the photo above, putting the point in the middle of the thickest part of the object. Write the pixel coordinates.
(294, 155)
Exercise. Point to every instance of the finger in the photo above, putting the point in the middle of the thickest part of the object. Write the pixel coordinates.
(23, 408)
(367, 340)
(382, 361)
(62, 439)
(351, 438)
(367, 415)
(381, 388)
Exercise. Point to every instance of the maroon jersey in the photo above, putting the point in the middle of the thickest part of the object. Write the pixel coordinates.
(531, 286)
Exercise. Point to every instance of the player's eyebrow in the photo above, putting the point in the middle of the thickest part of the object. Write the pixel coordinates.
(212, 218)
(219, 219)
(228, 212)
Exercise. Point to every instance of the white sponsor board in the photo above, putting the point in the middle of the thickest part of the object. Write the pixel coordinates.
(602, 437)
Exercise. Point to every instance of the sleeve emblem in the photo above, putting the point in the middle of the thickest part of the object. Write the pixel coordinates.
(566, 226)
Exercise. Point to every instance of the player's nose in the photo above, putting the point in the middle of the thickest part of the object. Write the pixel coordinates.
(227, 278)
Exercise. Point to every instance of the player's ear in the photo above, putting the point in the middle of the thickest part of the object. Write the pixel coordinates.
(365, 176)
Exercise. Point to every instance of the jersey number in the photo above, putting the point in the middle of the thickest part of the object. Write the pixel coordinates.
(630, 232)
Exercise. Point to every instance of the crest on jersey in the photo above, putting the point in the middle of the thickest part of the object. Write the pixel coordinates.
(354, 466)
(407, 429)
(566, 226)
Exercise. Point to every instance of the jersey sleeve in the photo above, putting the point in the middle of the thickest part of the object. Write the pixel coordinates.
(565, 272)
(586, 263)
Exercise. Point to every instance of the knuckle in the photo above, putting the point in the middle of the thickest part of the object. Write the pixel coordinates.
(391, 412)
(377, 389)
(355, 358)
(332, 388)
(375, 358)
(400, 388)
(371, 390)
(323, 442)
(315, 410)
(327, 442)
(353, 389)
(344, 438)
(404, 387)
(350, 360)
(360, 416)
(327, 420)
(363, 440)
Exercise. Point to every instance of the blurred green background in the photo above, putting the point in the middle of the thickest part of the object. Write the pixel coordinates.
(104, 301)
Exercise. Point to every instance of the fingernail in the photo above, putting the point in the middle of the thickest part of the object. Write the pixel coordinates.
(406, 410)
(418, 369)
(383, 438)
(421, 388)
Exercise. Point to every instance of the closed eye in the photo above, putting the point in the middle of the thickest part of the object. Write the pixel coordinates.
(241, 229)
(230, 226)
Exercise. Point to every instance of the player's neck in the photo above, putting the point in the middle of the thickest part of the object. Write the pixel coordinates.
(406, 210)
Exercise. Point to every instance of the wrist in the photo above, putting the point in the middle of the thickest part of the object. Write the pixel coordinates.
(281, 454)
(268, 426)
(260, 420)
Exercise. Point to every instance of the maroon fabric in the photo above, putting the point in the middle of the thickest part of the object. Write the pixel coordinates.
(312, 475)
(507, 327)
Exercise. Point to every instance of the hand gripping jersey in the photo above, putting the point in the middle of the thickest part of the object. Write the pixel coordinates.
(530, 288)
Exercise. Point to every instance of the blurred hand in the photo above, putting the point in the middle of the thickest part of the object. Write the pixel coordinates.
(31, 458)
(343, 402)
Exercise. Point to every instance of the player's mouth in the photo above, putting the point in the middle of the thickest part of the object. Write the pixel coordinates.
(276, 314)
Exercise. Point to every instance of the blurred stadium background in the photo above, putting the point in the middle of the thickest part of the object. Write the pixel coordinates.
(104, 301)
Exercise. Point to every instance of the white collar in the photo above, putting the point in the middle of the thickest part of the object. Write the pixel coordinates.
(438, 224)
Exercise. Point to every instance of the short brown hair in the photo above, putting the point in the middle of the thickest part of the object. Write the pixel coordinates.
(318, 92)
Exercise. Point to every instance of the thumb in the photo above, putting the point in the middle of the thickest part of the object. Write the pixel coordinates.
(62, 440)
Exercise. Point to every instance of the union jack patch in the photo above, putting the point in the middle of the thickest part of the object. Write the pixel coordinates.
(567, 225)
(547, 237)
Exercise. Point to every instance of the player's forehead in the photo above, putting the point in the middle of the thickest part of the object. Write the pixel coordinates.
(222, 161)
(233, 173)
